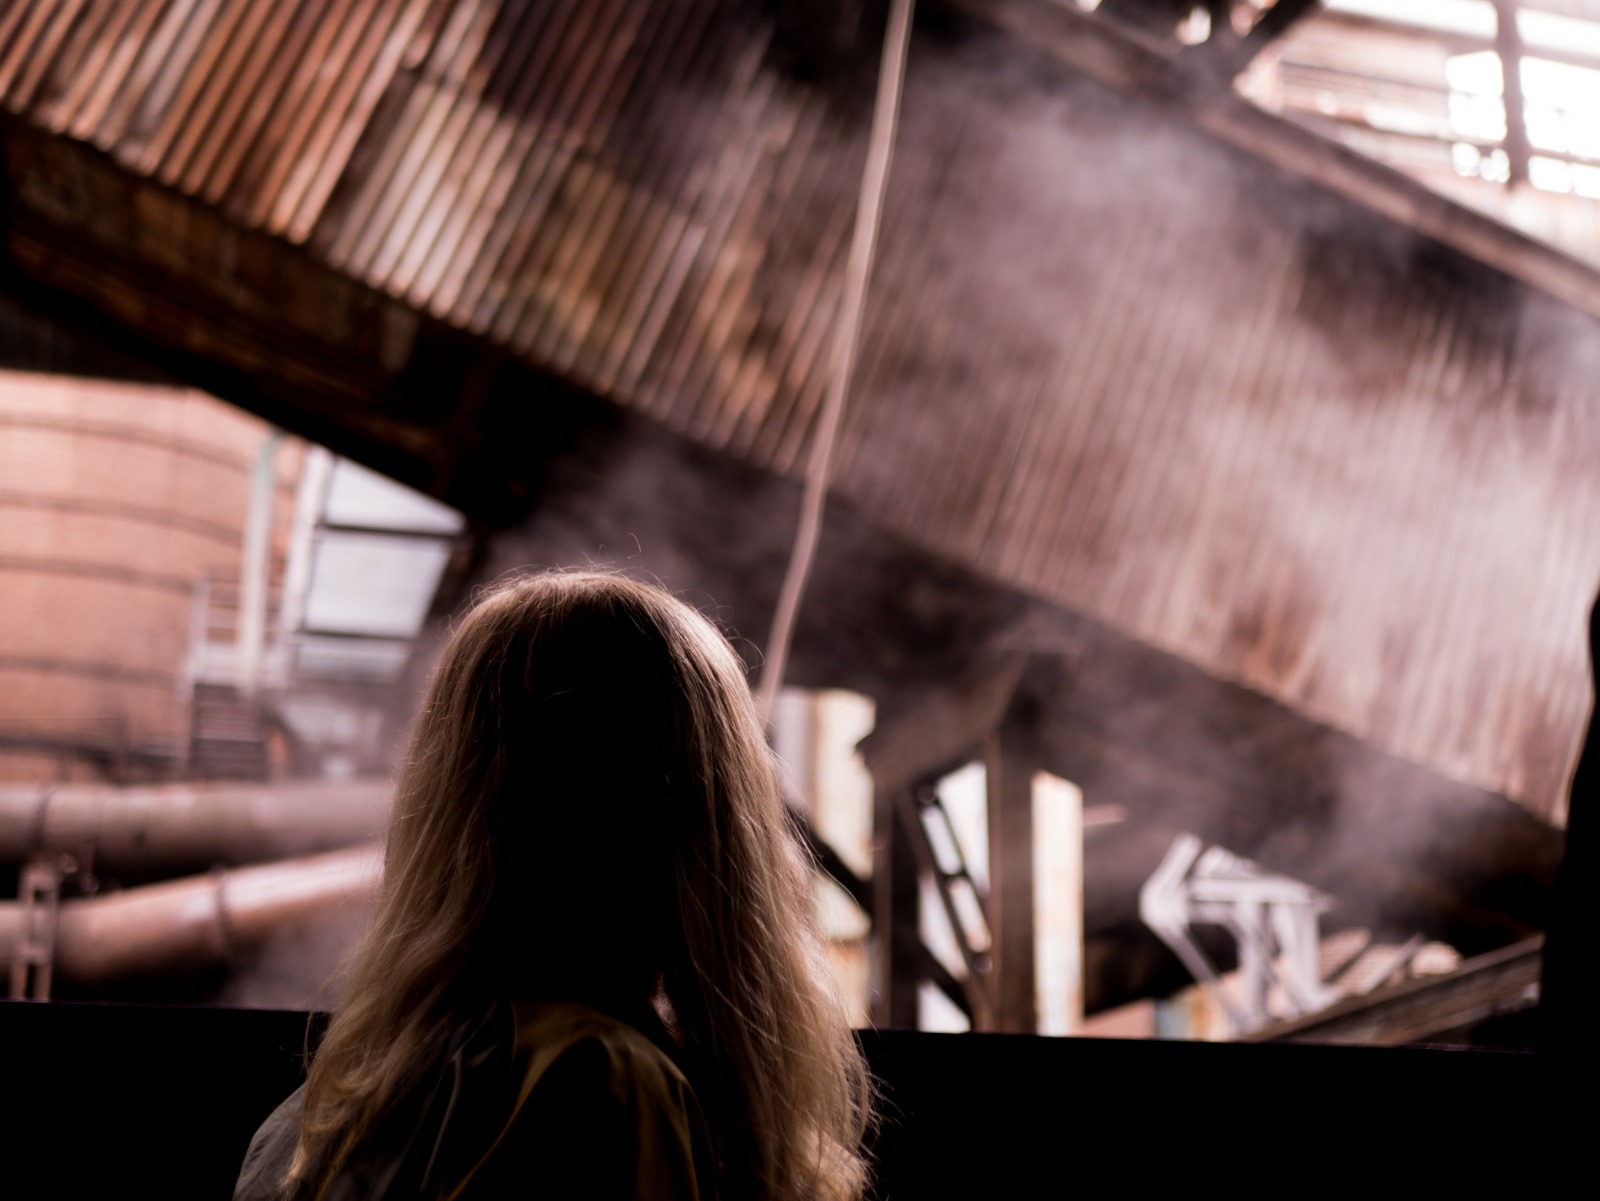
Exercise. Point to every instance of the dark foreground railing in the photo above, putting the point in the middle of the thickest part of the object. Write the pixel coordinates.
(152, 1101)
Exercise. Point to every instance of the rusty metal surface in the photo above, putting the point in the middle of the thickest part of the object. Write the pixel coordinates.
(594, 185)
(1424, 1009)
(193, 825)
(1105, 360)
(197, 920)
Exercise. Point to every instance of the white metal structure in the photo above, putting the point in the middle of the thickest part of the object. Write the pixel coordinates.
(1272, 918)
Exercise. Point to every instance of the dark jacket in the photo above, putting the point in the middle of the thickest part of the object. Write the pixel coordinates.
(549, 1100)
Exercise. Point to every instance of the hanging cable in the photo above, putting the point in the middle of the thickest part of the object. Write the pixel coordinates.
(869, 209)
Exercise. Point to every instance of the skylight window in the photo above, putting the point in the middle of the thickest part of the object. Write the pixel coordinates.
(1469, 160)
(1477, 96)
(1563, 107)
(1471, 18)
(1443, 90)
(1551, 31)
(1555, 175)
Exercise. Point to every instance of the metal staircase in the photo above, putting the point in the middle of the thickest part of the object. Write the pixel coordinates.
(227, 735)
(229, 730)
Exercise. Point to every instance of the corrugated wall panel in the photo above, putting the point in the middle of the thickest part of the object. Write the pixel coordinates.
(1105, 360)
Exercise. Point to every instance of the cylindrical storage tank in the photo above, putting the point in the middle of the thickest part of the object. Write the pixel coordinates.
(115, 499)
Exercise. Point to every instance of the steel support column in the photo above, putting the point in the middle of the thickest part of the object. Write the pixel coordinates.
(1011, 760)
(898, 955)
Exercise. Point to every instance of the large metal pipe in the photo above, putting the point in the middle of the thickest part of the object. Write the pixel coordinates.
(180, 827)
(196, 921)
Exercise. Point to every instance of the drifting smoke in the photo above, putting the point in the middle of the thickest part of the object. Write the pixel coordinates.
(1148, 376)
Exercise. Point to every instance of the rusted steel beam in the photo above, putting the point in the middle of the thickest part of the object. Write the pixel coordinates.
(942, 978)
(990, 713)
(899, 958)
(1493, 985)
(186, 826)
(1011, 760)
(1569, 948)
(1233, 53)
(200, 920)
(946, 730)
(832, 866)
(977, 1003)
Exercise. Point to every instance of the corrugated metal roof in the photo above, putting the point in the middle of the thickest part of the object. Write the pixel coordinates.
(1105, 360)
(594, 185)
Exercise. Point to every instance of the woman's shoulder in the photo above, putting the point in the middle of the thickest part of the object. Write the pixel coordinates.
(603, 1112)
(548, 1032)
(266, 1163)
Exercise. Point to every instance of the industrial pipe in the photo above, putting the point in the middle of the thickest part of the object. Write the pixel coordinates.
(195, 921)
(182, 827)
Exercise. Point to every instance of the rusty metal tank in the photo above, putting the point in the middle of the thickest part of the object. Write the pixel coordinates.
(117, 501)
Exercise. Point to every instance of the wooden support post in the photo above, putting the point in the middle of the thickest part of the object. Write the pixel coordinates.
(1011, 759)
(898, 954)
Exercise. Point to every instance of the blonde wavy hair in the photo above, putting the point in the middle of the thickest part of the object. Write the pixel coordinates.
(589, 811)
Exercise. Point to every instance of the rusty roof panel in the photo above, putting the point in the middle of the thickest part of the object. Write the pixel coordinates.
(1105, 360)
